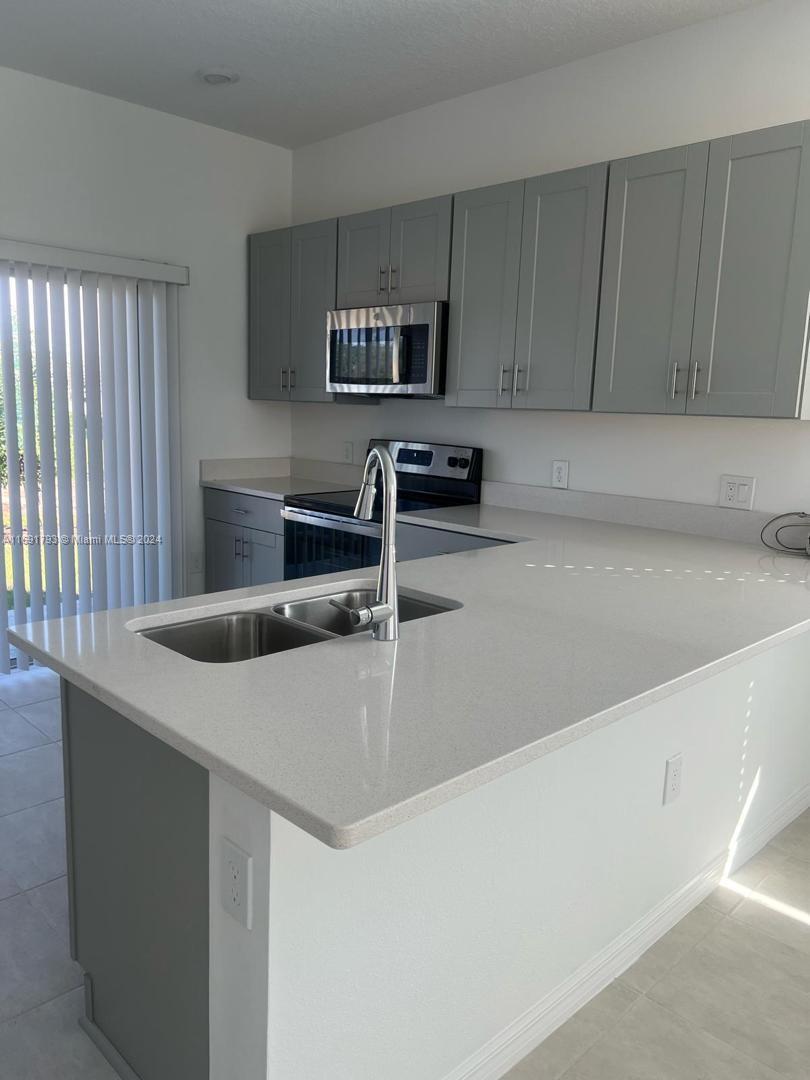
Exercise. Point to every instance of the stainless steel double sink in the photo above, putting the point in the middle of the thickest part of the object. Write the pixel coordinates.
(245, 635)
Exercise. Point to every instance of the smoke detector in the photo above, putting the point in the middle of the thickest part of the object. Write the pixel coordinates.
(218, 76)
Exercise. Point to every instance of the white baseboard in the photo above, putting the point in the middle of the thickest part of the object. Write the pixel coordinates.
(509, 1046)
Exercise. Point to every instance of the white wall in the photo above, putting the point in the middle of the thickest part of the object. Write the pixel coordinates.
(732, 74)
(84, 171)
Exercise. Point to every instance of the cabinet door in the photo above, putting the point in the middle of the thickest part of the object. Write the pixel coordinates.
(364, 242)
(269, 315)
(561, 255)
(485, 264)
(263, 555)
(420, 251)
(652, 248)
(314, 277)
(223, 556)
(751, 309)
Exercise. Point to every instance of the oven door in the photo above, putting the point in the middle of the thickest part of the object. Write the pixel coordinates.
(386, 350)
(326, 543)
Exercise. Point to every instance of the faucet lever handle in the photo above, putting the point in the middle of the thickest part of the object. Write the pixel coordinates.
(358, 616)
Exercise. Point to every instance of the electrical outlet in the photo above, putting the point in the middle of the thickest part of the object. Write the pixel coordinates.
(348, 451)
(559, 474)
(236, 883)
(737, 491)
(672, 778)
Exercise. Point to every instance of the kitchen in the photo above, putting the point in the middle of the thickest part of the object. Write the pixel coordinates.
(555, 757)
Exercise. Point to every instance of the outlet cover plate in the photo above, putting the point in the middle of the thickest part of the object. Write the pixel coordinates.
(737, 492)
(559, 474)
(236, 883)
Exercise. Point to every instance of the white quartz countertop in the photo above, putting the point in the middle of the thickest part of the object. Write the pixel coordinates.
(273, 487)
(557, 637)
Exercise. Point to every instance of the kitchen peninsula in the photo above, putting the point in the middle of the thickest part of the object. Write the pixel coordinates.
(494, 780)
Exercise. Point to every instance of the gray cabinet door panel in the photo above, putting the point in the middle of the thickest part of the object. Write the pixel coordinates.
(563, 220)
(263, 555)
(649, 276)
(313, 293)
(485, 266)
(751, 308)
(268, 314)
(420, 251)
(364, 243)
(223, 556)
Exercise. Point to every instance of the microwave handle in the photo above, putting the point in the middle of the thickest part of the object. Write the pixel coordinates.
(396, 360)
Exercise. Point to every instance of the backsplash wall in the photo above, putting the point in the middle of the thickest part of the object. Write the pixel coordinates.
(736, 73)
(663, 457)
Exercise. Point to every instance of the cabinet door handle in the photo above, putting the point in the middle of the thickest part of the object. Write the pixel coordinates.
(282, 387)
(501, 372)
(695, 371)
(237, 543)
(673, 390)
(240, 511)
(392, 271)
(383, 273)
(245, 549)
(515, 377)
(291, 377)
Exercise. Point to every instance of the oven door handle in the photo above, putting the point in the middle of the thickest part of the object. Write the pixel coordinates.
(332, 521)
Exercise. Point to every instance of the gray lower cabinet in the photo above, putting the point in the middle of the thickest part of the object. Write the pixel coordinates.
(748, 347)
(244, 540)
(223, 559)
(652, 248)
(137, 854)
(420, 542)
(485, 268)
(269, 315)
(397, 255)
(563, 218)
(312, 294)
(236, 557)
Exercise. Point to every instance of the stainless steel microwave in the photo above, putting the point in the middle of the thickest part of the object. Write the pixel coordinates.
(399, 349)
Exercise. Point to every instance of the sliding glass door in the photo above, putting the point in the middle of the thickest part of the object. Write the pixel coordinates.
(85, 471)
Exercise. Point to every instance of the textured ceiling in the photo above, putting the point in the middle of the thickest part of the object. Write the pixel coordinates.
(312, 68)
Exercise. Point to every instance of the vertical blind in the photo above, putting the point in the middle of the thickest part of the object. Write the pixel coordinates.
(85, 362)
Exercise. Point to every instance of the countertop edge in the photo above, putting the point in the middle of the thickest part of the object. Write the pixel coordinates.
(343, 836)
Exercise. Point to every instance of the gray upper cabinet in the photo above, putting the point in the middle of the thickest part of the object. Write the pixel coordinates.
(269, 315)
(398, 255)
(649, 276)
(485, 266)
(563, 219)
(420, 251)
(364, 242)
(313, 290)
(751, 310)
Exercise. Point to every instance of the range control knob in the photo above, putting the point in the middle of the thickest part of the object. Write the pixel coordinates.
(464, 463)
(452, 462)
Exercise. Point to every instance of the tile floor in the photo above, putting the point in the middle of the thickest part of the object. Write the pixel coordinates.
(725, 995)
(40, 986)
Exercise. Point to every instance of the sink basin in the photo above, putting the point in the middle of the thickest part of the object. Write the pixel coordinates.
(242, 635)
(317, 611)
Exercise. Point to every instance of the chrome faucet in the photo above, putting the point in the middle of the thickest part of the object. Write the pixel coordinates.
(383, 615)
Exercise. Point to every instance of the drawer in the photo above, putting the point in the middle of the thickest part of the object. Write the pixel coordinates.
(251, 511)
